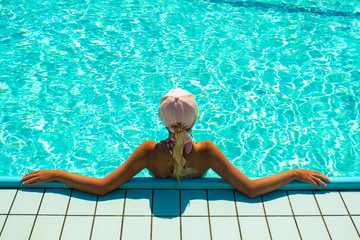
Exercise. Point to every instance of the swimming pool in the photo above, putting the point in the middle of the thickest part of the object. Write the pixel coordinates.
(277, 83)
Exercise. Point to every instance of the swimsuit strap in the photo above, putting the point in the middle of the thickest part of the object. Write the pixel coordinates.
(169, 144)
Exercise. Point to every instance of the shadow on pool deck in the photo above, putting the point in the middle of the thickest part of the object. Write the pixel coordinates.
(184, 214)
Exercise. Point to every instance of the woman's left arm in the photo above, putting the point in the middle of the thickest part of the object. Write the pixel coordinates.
(137, 161)
(253, 188)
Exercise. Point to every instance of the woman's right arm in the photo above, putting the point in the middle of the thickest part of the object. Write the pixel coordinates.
(253, 188)
(137, 161)
(83, 183)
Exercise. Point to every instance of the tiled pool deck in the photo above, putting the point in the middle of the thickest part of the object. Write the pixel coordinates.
(178, 214)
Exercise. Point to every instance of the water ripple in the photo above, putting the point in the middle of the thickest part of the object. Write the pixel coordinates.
(276, 84)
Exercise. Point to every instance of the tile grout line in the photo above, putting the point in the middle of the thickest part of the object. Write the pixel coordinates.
(176, 215)
(267, 222)
(237, 215)
(255, 216)
(208, 207)
(349, 213)
(180, 214)
(7, 215)
(37, 213)
(293, 214)
(321, 214)
(67, 209)
(123, 215)
(93, 222)
(152, 213)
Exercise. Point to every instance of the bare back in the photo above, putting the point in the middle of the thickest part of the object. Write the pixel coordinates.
(161, 162)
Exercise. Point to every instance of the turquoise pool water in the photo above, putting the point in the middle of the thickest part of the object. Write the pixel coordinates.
(277, 83)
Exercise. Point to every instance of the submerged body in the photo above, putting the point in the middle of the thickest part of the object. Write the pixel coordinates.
(157, 158)
(178, 111)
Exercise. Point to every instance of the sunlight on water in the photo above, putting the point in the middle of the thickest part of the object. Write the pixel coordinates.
(277, 83)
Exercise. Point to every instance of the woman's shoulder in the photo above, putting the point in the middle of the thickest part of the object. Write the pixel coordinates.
(206, 144)
(204, 148)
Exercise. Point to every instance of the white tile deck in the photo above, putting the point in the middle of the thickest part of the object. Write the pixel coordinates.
(303, 203)
(330, 203)
(341, 227)
(165, 228)
(221, 203)
(352, 201)
(249, 206)
(312, 227)
(194, 203)
(6, 199)
(47, 227)
(283, 228)
(11, 230)
(107, 227)
(27, 201)
(111, 204)
(77, 227)
(136, 227)
(82, 203)
(277, 203)
(178, 214)
(224, 228)
(55, 201)
(254, 227)
(138, 202)
(195, 228)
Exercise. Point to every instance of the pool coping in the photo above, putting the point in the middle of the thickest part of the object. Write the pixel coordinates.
(338, 183)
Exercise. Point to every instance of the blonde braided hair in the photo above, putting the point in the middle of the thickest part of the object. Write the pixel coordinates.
(180, 171)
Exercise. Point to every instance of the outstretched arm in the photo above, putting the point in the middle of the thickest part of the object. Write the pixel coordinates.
(252, 188)
(137, 161)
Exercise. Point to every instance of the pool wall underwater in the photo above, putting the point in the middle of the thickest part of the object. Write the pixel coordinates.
(339, 183)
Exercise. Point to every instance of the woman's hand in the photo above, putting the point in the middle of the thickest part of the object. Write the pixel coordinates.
(312, 177)
(39, 176)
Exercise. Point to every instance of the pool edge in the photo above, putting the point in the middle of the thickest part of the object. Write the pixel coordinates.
(340, 183)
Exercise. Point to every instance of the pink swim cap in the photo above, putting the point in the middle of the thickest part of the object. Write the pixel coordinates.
(178, 105)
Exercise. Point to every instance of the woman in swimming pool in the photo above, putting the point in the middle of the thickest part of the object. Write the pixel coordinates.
(178, 111)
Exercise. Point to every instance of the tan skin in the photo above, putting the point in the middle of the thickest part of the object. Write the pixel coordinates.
(158, 160)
